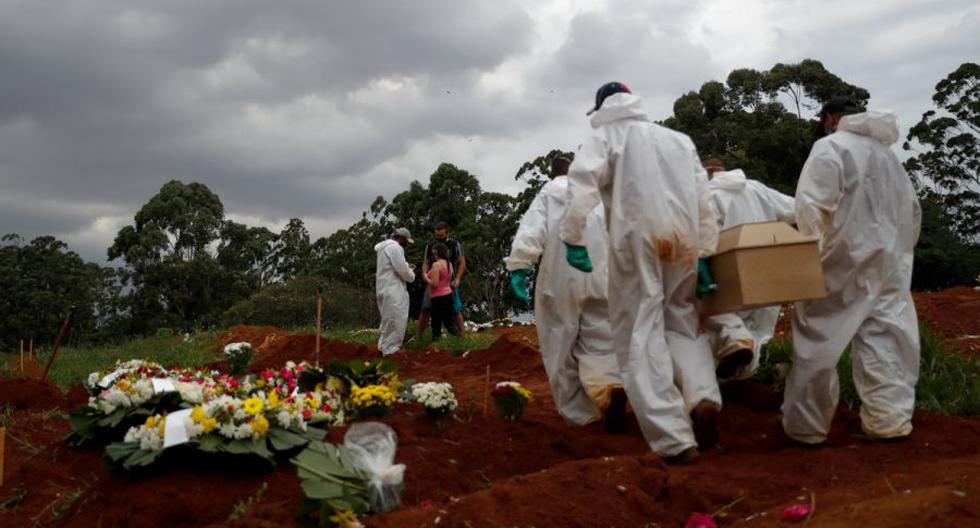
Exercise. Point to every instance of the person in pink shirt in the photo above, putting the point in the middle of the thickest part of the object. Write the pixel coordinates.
(440, 291)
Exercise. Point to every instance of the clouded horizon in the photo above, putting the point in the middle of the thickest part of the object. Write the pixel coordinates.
(312, 109)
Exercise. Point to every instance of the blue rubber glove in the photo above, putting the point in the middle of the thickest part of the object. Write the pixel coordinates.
(706, 283)
(518, 283)
(578, 257)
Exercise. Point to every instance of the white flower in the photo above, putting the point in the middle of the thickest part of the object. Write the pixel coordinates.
(232, 349)
(190, 392)
(93, 379)
(435, 395)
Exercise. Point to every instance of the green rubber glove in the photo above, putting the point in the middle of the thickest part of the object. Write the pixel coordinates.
(518, 283)
(578, 257)
(706, 283)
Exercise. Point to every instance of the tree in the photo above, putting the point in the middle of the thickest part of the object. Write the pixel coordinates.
(40, 283)
(744, 122)
(946, 167)
(291, 251)
(175, 280)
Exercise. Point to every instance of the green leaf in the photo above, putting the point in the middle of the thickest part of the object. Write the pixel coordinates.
(117, 451)
(322, 489)
(210, 443)
(141, 458)
(283, 440)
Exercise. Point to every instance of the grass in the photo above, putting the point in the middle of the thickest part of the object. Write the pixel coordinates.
(74, 364)
(454, 344)
(948, 382)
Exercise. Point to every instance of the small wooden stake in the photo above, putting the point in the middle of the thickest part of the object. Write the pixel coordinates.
(30, 353)
(21, 356)
(3, 436)
(486, 393)
(319, 314)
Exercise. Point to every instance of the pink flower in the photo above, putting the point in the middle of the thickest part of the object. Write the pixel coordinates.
(233, 383)
(700, 520)
(797, 512)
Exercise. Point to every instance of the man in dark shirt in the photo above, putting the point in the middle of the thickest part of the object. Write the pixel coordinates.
(458, 262)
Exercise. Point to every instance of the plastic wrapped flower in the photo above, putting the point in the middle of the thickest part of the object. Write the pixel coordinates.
(437, 398)
(511, 399)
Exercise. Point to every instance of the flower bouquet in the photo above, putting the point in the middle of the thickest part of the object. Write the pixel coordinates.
(239, 355)
(372, 401)
(127, 395)
(437, 398)
(511, 399)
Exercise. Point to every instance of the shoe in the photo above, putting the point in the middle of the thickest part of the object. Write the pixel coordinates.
(730, 364)
(704, 422)
(614, 421)
(788, 441)
(686, 456)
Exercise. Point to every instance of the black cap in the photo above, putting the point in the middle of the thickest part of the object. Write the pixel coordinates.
(840, 105)
(606, 90)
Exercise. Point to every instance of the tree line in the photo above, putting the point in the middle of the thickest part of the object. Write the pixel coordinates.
(182, 265)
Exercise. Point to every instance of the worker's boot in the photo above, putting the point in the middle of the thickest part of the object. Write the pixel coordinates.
(704, 422)
(729, 365)
(614, 420)
(686, 456)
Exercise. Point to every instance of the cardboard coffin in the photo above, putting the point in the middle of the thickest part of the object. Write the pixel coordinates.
(763, 264)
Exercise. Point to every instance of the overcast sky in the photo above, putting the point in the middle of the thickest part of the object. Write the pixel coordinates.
(311, 109)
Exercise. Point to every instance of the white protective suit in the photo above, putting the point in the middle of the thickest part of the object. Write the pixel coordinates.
(570, 306)
(393, 273)
(655, 194)
(854, 194)
(737, 200)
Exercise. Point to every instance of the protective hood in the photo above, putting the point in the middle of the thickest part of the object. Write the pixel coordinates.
(380, 246)
(882, 126)
(733, 180)
(616, 107)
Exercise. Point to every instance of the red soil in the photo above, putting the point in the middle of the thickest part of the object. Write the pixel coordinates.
(476, 470)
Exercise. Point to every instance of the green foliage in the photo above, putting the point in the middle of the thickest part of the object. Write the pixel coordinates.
(74, 364)
(745, 123)
(942, 258)
(293, 304)
(41, 282)
(176, 282)
(946, 167)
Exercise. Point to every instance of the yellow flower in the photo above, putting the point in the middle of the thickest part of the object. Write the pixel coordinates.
(260, 425)
(209, 424)
(344, 518)
(198, 414)
(253, 405)
(394, 383)
(151, 421)
(523, 392)
(373, 395)
(122, 385)
(260, 383)
(272, 399)
(335, 384)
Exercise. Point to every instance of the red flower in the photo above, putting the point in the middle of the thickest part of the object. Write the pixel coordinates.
(426, 504)
(307, 413)
(797, 512)
(700, 520)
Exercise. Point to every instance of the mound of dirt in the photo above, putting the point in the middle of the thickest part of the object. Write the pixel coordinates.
(31, 394)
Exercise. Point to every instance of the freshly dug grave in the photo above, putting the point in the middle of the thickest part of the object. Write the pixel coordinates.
(477, 470)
